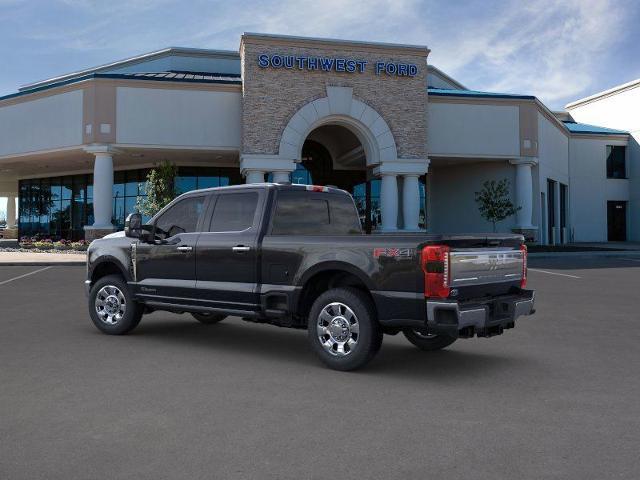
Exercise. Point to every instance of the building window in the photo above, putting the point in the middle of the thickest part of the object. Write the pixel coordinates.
(422, 222)
(60, 207)
(616, 161)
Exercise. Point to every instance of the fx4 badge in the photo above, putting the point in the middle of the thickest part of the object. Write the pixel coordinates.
(393, 252)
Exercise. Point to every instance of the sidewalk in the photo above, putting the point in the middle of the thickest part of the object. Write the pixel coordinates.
(37, 259)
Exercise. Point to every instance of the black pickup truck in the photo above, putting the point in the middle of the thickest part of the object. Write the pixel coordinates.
(295, 256)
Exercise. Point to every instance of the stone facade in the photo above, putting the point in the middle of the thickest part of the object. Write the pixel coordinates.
(271, 96)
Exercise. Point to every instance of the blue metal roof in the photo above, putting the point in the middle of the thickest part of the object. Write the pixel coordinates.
(186, 77)
(585, 128)
(445, 92)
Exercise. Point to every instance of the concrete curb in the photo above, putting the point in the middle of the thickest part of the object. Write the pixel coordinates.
(616, 253)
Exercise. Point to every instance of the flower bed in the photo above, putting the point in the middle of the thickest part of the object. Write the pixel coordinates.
(46, 244)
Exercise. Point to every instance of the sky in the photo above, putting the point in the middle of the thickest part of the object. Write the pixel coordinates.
(557, 50)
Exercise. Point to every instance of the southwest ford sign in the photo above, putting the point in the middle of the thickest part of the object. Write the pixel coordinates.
(333, 64)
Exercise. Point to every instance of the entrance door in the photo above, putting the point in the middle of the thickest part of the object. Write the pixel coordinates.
(617, 221)
(543, 222)
(551, 211)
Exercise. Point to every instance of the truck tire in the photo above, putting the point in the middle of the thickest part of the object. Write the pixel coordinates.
(427, 342)
(343, 329)
(208, 318)
(112, 307)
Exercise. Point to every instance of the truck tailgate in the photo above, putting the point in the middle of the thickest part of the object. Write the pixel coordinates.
(484, 266)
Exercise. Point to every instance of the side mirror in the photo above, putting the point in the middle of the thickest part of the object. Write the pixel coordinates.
(133, 225)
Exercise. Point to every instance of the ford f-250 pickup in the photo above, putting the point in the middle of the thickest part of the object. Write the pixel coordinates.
(295, 256)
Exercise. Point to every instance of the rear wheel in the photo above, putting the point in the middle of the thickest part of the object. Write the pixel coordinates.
(111, 306)
(208, 318)
(343, 329)
(426, 341)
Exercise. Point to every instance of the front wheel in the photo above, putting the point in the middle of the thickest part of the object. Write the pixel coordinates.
(426, 341)
(343, 329)
(111, 306)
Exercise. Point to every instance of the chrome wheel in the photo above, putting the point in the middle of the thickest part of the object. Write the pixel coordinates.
(110, 304)
(338, 329)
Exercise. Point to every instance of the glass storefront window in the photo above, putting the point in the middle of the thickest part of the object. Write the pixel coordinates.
(60, 207)
(186, 184)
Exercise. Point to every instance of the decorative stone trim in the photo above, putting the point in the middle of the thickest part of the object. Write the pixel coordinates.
(265, 163)
(403, 167)
(339, 107)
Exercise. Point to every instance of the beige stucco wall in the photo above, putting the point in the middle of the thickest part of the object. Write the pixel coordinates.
(54, 121)
(451, 196)
(271, 96)
(178, 117)
(466, 129)
(620, 110)
(590, 189)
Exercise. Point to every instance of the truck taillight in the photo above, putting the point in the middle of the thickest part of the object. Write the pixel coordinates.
(317, 188)
(523, 282)
(435, 264)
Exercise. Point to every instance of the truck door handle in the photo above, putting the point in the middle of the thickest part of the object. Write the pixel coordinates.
(184, 249)
(240, 249)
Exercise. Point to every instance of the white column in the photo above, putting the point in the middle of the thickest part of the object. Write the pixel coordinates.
(254, 176)
(411, 202)
(103, 190)
(389, 202)
(524, 192)
(253, 166)
(410, 170)
(281, 176)
(102, 186)
(11, 212)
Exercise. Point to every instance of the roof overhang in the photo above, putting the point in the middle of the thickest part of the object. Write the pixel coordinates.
(145, 57)
(605, 93)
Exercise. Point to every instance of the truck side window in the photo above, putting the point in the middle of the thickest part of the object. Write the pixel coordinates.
(182, 217)
(234, 212)
(344, 215)
(303, 213)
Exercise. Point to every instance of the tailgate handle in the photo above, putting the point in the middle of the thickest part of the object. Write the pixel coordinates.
(240, 249)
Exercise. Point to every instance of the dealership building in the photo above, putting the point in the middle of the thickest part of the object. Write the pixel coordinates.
(411, 144)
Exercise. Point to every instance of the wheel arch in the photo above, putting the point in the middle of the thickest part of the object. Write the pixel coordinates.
(108, 265)
(327, 275)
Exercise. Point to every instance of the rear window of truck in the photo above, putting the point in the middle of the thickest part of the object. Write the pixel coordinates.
(310, 213)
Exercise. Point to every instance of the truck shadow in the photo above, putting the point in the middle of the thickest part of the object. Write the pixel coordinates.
(265, 343)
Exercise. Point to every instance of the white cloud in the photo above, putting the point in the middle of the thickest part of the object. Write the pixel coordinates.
(545, 48)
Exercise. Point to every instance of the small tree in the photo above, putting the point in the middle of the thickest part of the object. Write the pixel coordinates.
(494, 201)
(160, 189)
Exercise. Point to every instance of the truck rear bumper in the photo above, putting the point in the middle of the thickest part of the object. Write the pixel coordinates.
(481, 318)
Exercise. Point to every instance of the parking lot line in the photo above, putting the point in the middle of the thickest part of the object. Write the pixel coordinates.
(25, 275)
(553, 273)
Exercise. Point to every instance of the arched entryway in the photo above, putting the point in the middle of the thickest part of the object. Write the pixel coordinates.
(339, 140)
(333, 155)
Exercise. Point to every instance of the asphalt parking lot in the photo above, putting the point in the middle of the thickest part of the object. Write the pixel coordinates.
(557, 397)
